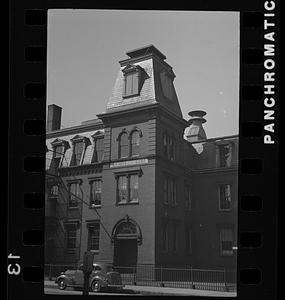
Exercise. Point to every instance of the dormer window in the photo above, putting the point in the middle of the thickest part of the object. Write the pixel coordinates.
(79, 146)
(132, 80)
(98, 153)
(58, 153)
(131, 84)
(167, 85)
(59, 148)
(224, 154)
(78, 150)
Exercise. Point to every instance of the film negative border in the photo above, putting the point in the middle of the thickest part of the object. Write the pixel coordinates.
(258, 144)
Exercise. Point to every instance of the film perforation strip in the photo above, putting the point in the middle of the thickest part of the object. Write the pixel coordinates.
(250, 276)
(35, 54)
(34, 127)
(251, 166)
(33, 237)
(34, 201)
(251, 92)
(250, 239)
(35, 91)
(251, 203)
(252, 19)
(252, 56)
(36, 19)
(251, 129)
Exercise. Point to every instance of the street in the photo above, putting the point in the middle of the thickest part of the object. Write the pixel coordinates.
(70, 291)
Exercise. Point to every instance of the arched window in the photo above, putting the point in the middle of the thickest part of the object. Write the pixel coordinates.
(135, 143)
(123, 145)
(127, 229)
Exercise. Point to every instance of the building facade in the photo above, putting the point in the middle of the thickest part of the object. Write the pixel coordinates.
(139, 184)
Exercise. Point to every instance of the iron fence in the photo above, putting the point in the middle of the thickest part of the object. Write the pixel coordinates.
(151, 275)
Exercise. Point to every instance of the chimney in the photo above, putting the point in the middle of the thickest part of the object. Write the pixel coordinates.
(196, 131)
(54, 117)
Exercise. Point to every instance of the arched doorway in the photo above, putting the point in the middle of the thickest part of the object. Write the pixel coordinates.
(126, 237)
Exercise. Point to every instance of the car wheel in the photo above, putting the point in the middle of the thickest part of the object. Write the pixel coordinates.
(95, 286)
(62, 284)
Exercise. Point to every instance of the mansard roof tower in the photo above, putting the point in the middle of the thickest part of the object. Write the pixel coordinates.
(144, 79)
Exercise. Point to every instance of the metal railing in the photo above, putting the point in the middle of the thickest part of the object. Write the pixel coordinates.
(151, 275)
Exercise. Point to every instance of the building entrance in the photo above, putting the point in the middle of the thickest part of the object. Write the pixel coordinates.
(125, 253)
(126, 236)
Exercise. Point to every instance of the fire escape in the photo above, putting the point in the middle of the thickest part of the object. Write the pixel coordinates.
(58, 218)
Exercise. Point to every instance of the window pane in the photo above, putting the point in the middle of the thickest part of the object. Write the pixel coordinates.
(226, 236)
(78, 149)
(93, 237)
(225, 155)
(188, 240)
(58, 151)
(74, 194)
(124, 145)
(225, 197)
(187, 198)
(165, 145)
(71, 239)
(98, 150)
(171, 191)
(129, 85)
(134, 188)
(174, 193)
(54, 190)
(135, 143)
(175, 238)
(96, 192)
(135, 84)
(171, 148)
(165, 190)
(165, 242)
(122, 189)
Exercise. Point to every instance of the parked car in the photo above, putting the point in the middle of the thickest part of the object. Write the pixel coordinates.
(102, 276)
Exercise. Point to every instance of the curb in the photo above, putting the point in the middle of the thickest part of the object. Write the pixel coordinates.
(54, 286)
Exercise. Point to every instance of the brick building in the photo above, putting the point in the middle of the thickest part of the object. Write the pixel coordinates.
(139, 184)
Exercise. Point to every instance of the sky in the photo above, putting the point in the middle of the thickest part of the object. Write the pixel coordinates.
(85, 46)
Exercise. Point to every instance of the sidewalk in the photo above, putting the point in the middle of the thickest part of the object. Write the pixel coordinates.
(165, 291)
